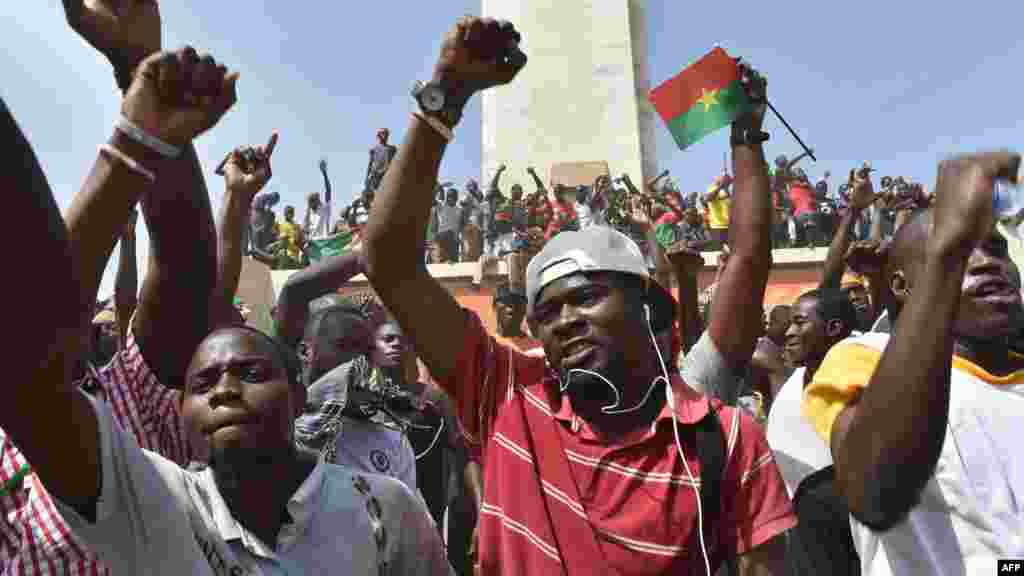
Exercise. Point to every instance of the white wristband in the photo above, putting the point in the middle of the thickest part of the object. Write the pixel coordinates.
(437, 125)
(130, 163)
(146, 139)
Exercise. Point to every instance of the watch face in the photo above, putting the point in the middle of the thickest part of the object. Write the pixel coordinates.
(432, 98)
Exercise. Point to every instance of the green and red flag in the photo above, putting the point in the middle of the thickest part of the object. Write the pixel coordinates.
(333, 245)
(704, 97)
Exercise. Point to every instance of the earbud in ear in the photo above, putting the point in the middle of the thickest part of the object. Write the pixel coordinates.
(647, 311)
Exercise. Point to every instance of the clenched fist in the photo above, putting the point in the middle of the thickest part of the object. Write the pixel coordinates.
(125, 31)
(176, 96)
(476, 54)
(963, 215)
(247, 170)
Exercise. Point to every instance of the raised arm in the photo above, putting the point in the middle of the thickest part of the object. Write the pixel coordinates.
(124, 169)
(736, 321)
(43, 354)
(601, 187)
(862, 195)
(795, 161)
(493, 186)
(398, 222)
(537, 181)
(633, 191)
(686, 264)
(327, 182)
(887, 444)
(172, 316)
(126, 285)
(309, 284)
(246, 172)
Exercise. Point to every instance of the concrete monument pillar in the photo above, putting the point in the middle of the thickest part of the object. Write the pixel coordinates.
(581, 97)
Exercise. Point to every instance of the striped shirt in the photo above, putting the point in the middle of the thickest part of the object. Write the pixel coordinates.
(559, 500)
(34, 538)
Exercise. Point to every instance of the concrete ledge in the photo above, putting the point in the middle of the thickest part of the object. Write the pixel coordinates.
(463, 272)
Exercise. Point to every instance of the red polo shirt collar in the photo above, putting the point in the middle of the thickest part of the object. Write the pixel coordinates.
(691, 407)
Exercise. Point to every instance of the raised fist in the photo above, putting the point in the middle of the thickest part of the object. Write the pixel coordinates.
(323, 165)
(125, 31)
(866, 257)
(756, 87)
(476, 54)
(176, 96)
(530, 170)
(861, 190)
(963, 216)
(247, 170)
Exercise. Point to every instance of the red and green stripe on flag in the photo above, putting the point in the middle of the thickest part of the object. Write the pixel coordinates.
(701, 99)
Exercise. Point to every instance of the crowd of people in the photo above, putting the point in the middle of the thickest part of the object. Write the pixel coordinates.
(471, 224)
(606, 427)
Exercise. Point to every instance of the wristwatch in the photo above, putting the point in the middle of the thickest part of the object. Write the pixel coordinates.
(434, 101)
(747, 137)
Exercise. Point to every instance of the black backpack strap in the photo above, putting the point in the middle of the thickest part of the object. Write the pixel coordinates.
(710, 444)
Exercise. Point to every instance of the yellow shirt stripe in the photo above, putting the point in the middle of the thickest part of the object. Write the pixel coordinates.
(845, 373)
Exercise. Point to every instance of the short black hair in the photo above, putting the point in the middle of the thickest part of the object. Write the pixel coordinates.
(316, 318)
(833, 304)
(289, 360)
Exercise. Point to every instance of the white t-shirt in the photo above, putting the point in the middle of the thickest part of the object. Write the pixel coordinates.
(318, 222)
(971, 512)
(799, 451)
(374, 447)
(153, 517)
(367, 445)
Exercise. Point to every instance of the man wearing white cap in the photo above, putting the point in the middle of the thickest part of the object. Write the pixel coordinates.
(592, 454)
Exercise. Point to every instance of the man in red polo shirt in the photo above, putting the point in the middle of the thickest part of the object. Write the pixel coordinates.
(590, 459)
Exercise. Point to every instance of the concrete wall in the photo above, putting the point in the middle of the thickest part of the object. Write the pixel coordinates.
(579, 97)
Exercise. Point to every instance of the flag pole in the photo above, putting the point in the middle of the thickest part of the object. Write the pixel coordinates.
(791, 131)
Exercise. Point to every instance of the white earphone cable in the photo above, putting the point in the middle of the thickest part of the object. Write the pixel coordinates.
(670, 398)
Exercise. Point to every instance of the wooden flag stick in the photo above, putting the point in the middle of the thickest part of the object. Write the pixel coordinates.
(791, 131)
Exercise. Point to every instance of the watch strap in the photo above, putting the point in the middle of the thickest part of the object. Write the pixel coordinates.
(747, 137)
(435, 123)
(449, 115)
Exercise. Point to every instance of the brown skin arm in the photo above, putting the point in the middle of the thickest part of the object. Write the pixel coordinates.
(768, 559)
(493, 186)
(99, 212)
(835, 261)
(391, 246)
(126, 285)
(174, 316)
(886, 445)
(686, 265)
(742, 283)
(537, 182)
(43, 354)
(309, 284)
(398, 223)
(474, 478)
(234, 214)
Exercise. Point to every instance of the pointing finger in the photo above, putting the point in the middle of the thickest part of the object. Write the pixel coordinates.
(271, 144)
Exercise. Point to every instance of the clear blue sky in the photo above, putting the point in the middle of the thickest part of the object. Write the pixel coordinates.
(902, 84)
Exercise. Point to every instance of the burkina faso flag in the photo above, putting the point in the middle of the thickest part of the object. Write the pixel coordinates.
(704, 97)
